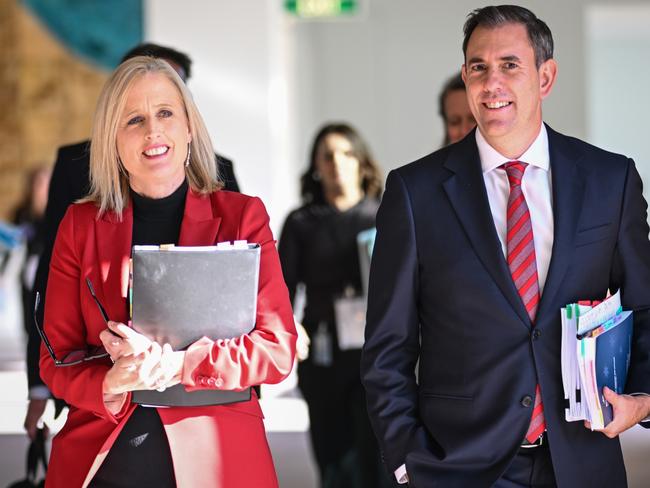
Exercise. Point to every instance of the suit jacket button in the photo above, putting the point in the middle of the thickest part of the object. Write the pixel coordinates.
(537, 334)
(527, 401)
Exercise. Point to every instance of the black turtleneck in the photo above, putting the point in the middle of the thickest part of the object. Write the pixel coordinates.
(158, 220)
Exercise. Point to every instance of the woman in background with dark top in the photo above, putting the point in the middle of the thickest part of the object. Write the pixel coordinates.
(454, 110)
(318, 248)
(153, 181)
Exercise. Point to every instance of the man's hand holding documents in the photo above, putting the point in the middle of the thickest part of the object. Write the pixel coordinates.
(596, 344)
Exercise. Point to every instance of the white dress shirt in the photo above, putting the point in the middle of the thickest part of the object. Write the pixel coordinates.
(536, 187)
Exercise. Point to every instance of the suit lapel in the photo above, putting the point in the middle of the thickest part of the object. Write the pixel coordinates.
(568, 191)
(113, 251)
(200, 225)
(467, 194)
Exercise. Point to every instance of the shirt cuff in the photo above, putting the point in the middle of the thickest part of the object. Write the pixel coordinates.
(39, 392)
(401, 476)
(647, 419)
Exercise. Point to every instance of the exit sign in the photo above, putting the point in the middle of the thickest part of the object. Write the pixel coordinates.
(321, 8)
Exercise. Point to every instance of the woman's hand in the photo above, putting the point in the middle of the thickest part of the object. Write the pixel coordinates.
(121, 340)
(138, 364)
(171, 367)
(155, 368)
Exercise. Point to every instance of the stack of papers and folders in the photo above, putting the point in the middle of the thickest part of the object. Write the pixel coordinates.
(596, 345)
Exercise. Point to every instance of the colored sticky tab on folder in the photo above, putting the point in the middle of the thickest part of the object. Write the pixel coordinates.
(599, 314)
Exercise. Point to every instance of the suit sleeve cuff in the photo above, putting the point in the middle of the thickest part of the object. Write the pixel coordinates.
(401, 476)
(39, 392)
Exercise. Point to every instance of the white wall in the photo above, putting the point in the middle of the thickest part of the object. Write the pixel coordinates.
(241, 82)
(618, 51)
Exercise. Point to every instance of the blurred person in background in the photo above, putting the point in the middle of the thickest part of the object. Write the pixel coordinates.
(29, 217)
(70, 182)
(153, 181)
(454, 110)
(318, 248)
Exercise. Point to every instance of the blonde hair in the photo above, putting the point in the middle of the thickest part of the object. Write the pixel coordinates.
(109, 181)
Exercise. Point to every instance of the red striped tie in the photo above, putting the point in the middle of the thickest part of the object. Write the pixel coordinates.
(523, 268)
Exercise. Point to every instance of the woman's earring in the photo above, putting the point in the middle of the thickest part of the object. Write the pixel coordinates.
(315, 175)
(189, 153)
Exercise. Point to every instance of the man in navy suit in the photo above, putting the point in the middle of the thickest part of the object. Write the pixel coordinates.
(479, 245)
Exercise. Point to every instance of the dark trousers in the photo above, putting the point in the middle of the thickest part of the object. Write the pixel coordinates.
(531, 468)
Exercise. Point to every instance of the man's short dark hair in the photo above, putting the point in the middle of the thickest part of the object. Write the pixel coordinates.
(492, 17)
(167, 53)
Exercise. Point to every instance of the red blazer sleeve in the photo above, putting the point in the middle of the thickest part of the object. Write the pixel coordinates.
(266, 354)
(64, 324)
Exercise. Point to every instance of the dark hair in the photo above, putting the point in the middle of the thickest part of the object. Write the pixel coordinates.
(455, 83)
(166, 53)
(452, 84)
(311, 188)
(539, 34)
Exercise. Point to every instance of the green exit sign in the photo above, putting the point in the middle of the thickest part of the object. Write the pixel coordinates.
(321, 8)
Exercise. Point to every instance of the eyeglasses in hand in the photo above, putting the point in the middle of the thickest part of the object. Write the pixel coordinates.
(78, 356)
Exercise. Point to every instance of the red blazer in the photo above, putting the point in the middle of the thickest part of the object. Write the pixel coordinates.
(219, 446)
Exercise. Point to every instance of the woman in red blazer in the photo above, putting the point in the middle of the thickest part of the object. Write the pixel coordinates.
(150, 151)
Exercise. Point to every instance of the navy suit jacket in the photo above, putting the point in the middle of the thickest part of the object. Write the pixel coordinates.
(441, 292)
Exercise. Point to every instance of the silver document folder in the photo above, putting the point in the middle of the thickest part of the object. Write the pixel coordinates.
(181, 294)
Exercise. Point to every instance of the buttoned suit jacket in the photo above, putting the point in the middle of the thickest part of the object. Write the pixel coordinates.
(441, 291)
(221, 445)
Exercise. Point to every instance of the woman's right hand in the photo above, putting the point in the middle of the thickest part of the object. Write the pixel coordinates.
(121, 340)
(155, 368)
(133, 356)
(142, 371)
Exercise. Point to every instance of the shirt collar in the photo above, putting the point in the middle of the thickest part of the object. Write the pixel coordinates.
(536, 155)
